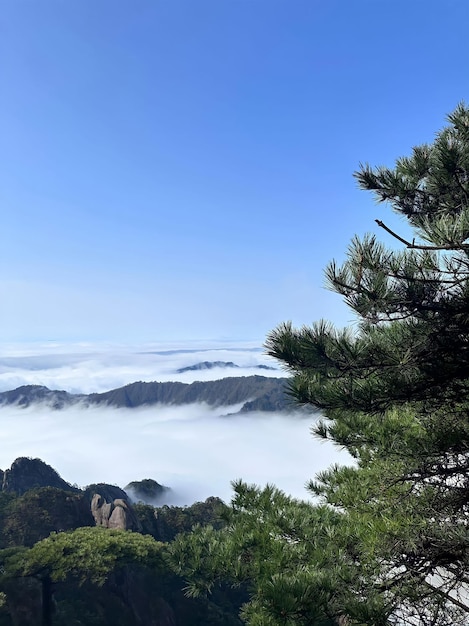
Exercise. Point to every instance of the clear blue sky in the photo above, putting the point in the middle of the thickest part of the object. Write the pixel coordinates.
(182, 169)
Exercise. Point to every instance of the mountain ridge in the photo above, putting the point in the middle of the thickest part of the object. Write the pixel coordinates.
(256, 393)
(208, 365)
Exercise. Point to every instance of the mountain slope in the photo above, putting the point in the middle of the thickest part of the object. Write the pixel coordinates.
(259, 393)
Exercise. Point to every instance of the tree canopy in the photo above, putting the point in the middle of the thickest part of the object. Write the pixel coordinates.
(89, 554)
(86, 555)
(388, 541)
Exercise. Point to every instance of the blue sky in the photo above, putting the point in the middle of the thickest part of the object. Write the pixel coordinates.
(182, 169)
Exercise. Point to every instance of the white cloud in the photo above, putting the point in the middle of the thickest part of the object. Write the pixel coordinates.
(191, 449)
(85, 369)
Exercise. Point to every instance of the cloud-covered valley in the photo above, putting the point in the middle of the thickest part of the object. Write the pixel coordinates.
(194, 449)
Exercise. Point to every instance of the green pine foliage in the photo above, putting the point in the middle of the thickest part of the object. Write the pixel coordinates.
(57, 568)
(387, 541)
(87, 555)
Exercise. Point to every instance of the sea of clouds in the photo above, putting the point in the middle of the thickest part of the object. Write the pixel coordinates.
(82, 368)
(194, 449)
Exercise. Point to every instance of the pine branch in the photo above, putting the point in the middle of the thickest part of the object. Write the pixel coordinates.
(414, 246)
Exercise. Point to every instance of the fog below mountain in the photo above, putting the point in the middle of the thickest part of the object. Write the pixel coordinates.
(192, 449)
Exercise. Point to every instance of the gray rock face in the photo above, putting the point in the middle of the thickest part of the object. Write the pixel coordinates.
(100, 510)
(119, 516)
(116, 514)
(26, 473)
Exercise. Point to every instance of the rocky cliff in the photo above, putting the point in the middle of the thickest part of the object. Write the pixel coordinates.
(115, 514)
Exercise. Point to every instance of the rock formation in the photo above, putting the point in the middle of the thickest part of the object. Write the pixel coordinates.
(115, 514)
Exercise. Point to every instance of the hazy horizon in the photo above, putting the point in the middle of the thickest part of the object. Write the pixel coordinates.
(88, 368)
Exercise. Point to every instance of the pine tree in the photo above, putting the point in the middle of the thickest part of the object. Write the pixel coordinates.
(389, 542)
(395, 393)
(84, 555)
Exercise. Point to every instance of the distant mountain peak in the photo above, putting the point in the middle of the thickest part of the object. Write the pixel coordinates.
(26, 473)
(206, 365)
(34, 394)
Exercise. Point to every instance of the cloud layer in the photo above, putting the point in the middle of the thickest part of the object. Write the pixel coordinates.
(192, 449)
(86, 369)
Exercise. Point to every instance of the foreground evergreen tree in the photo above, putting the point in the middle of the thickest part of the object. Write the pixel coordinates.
(86, 554)
(83, 575)
(390, 543)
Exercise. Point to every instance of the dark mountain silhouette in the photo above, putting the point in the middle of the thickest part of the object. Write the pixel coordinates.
(148, 491)
(25, 474)
(31, 394)
(208, 365)
(259, 393)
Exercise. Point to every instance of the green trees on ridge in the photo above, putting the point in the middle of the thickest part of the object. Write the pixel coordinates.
(56, 569)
